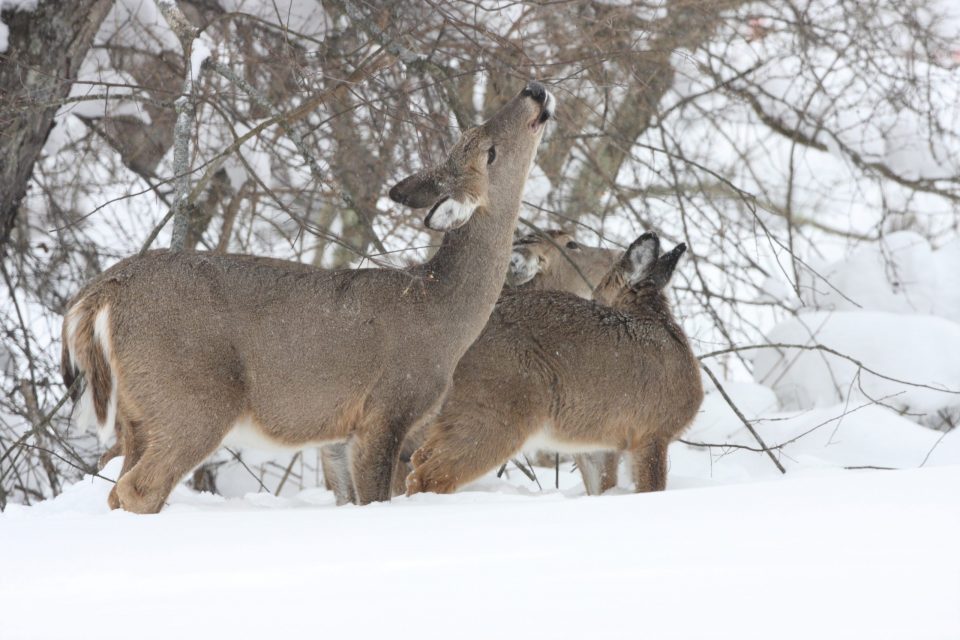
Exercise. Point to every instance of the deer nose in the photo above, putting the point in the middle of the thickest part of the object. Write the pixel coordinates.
(536, 91)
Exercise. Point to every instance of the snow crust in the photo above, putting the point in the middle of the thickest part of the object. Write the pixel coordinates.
(863, 555)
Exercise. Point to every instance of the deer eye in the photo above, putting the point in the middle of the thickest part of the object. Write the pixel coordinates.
(572, 245)
(491, 155)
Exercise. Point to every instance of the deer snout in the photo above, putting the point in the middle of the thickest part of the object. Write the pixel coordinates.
(522, 269)
(536, 91)
(539, 94)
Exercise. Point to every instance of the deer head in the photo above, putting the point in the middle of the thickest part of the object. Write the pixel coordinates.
(536, 253)
(498, 152)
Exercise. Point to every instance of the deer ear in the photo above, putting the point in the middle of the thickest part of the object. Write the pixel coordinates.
(665, 266)
(418, 191)
(640, 257)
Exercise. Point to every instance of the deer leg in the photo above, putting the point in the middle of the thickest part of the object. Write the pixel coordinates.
(336, 471)
(131, 446)
(414, 440)
(165, 460)
(121, 427)
(650, 464)
(608, 476)
(374, 454)
(459, 451)
(598, 470)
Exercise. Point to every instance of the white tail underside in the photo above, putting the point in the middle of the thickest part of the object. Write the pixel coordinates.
(85, 415)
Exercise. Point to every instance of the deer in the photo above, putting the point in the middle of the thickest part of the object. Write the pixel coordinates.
(548, 259)
(554, 260)
(615, 374)
(193, 350)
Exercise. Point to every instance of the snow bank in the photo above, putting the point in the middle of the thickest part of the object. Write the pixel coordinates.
(854, 556)
(914, 348)
(732, 549)
(818, 441)
(893, 305)
(900, 274)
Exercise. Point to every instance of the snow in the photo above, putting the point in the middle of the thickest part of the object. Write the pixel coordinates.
(201, 50)
(901, 273)
(894, 306)
(868, 554)
(732, 548)
(914, 348)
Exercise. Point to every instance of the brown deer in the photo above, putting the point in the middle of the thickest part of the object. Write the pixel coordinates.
(543, 260)
(553, 260)
(191, 349)
(571, 375)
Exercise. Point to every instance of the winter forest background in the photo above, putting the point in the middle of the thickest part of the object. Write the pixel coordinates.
(807, 151)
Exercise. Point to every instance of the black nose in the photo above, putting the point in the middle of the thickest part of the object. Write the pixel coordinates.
(536, 91)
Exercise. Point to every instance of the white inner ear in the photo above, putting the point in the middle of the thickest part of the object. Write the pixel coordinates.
(451, 214)
(641, 260)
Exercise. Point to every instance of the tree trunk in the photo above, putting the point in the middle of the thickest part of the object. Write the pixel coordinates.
(687, 25)
(45, 50)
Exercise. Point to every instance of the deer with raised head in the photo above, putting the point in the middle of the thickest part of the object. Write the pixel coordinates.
(616, 374)
(193, 349)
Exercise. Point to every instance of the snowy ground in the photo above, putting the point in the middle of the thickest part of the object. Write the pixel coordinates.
(731, 550)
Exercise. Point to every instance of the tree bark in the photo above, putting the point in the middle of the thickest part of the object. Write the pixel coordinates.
(45, 50)
(687, 25)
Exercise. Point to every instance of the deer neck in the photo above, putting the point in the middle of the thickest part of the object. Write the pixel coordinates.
(471, 263)
(655, 309)
(596, 262)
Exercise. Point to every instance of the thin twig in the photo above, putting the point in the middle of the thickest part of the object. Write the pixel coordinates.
(286, 473)
(243, 464)
(743, 418)
(820, 347)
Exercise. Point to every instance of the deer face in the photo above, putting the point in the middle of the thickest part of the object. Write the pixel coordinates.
(535, 253)
(487, 168)
(641, 271)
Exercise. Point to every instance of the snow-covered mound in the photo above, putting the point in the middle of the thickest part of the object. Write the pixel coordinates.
(853, 556)
(901, 273)
(894, 306)
(919, 349)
